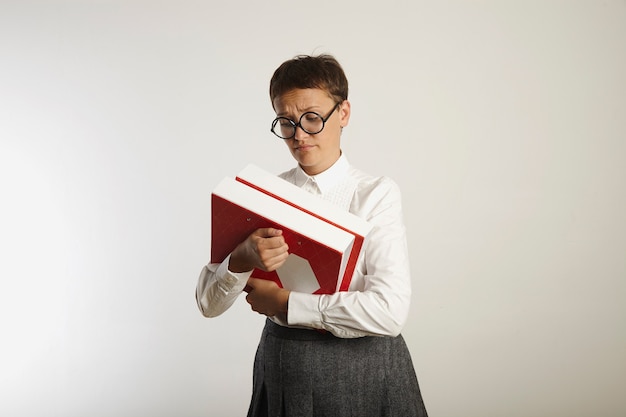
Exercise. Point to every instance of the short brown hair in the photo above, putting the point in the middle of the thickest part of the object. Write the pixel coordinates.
(306, 71)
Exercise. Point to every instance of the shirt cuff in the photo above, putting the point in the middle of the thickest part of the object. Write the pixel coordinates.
(303, 310)
(232, 281)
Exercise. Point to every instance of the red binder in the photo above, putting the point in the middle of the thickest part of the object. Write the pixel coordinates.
(324, 241)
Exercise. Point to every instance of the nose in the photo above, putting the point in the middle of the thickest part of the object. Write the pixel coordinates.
(300, 133)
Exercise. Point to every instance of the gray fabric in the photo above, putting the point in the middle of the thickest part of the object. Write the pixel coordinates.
(305, 373)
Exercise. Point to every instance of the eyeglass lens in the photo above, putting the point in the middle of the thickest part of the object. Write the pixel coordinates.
(310, 122)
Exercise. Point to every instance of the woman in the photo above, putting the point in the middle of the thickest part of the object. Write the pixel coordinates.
(356, 363)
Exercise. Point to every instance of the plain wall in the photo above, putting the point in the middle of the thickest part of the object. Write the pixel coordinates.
(503, 123)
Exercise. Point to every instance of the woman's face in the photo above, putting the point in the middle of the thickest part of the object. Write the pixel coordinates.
(314, 152)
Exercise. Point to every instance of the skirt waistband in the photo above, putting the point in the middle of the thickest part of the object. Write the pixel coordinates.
(291, 333)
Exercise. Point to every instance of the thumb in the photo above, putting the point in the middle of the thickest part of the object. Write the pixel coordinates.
(269, 232)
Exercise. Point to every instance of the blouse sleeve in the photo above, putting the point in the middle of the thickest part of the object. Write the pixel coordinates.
(379, 297)
(218, 288)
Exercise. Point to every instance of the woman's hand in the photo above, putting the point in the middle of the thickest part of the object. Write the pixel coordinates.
(264, 249)
(266, 297)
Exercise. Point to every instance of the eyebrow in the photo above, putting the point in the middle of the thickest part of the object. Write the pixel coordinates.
(315, 108)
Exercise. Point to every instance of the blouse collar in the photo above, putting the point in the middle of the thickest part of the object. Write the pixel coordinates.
(327, 179)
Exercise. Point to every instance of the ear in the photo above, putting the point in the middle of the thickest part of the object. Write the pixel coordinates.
(344, 113)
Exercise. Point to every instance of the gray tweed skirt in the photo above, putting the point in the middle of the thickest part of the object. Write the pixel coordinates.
(305, 373)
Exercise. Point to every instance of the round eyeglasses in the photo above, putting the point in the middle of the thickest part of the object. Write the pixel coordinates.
(311, 122)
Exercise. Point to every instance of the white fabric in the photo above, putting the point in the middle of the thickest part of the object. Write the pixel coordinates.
(378, 299)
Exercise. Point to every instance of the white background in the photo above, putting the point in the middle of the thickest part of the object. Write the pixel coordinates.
(503, 123)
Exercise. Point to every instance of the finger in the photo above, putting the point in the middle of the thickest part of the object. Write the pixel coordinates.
(260, 283)
(268, 248)
(268, 232)
(273, 257)
(252, 283)
(274, 263)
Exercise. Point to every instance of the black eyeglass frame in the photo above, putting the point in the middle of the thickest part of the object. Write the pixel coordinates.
(299, 124)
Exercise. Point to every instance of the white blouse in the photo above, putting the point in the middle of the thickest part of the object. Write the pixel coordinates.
(377, 302)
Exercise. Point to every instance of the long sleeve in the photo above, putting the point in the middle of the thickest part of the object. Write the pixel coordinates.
(378, 300)
(218, 288)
